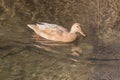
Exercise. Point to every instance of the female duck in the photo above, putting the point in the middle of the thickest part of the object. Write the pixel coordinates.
(55, 32)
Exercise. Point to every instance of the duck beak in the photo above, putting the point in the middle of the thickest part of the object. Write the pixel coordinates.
(82, 34)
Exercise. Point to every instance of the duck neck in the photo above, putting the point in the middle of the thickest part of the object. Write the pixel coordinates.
(69, 37)
(72, 30)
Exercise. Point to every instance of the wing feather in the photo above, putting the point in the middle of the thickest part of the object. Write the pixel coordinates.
(52, 27)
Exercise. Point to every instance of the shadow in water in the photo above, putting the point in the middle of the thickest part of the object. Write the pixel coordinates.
(96, 59)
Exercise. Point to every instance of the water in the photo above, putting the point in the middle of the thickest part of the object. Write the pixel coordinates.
(24, 58)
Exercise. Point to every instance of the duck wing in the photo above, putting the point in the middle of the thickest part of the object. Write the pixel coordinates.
(51, 27)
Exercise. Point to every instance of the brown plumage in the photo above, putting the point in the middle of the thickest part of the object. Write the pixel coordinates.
(55, 32)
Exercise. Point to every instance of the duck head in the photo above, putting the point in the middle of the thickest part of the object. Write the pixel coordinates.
(76, 28)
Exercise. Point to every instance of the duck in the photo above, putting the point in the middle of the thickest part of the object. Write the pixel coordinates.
(56, 32)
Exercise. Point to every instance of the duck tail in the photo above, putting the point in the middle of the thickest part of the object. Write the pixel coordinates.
(31, 26)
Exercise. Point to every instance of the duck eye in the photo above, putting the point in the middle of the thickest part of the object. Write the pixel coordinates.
(77, 26)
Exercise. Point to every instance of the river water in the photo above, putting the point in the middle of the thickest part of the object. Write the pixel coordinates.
(96, 57)
(24, 58)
